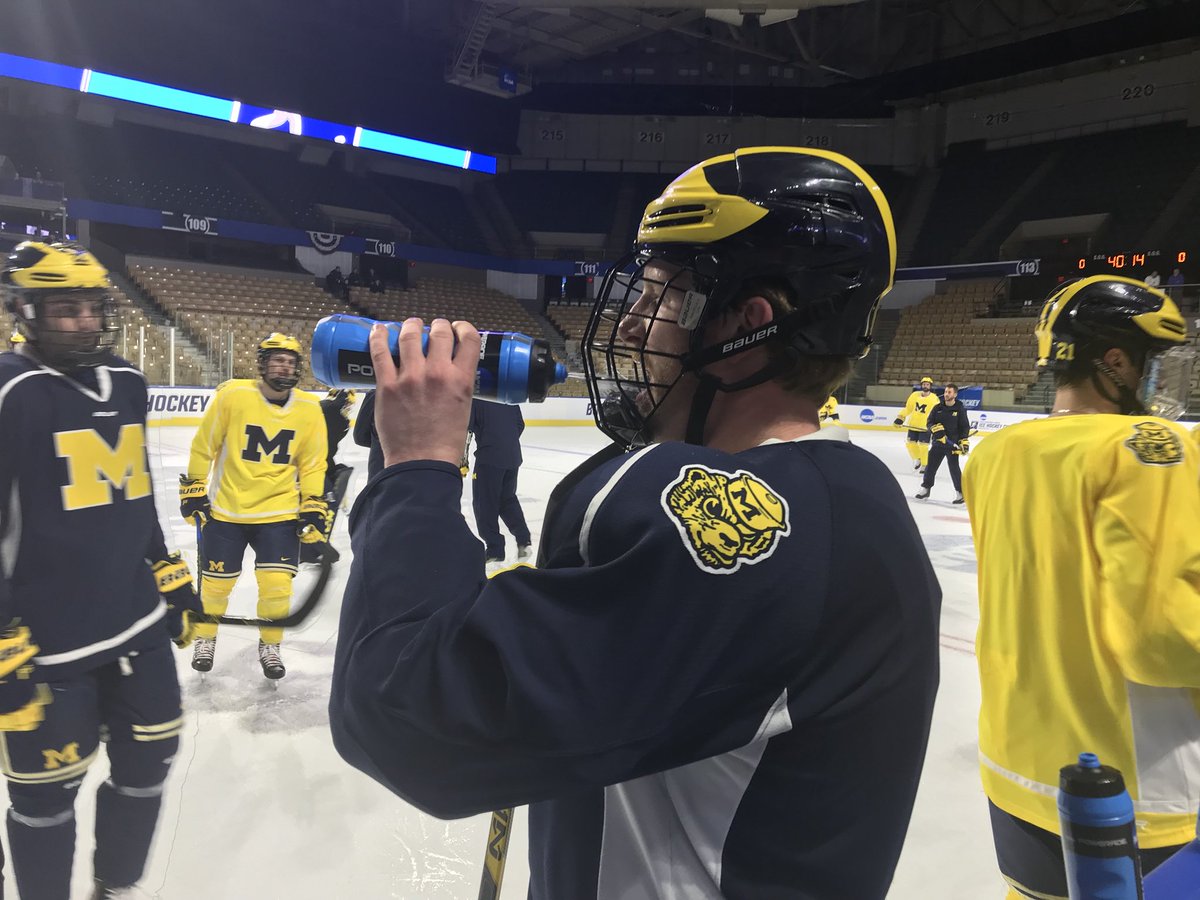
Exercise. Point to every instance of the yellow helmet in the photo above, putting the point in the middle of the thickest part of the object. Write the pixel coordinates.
(926, 380)
(15, 339)
(277, 342)
(37, 274)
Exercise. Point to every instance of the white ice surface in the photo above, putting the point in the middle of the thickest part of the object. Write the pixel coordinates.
(259, 805)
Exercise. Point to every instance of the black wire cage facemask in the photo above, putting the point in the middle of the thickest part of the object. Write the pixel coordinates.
(44, 315)
(631, 361)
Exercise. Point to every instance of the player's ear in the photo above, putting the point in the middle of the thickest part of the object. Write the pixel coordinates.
(746, 315)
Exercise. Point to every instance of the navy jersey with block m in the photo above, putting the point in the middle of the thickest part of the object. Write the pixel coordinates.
(75, 484)
(730, 744)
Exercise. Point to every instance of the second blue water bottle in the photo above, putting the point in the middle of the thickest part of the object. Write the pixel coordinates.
(1099, 833)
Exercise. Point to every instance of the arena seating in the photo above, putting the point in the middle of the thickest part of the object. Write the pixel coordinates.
(132, 328)
(216, 303)
(948, 337)
(431, 298)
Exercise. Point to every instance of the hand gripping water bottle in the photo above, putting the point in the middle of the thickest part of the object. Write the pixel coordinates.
(1099, 836)
(513, 368)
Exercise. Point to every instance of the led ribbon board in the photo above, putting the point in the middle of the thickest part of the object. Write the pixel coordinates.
(130, 90)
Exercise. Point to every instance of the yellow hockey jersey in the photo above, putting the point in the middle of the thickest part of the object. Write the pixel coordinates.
(1085, 529)
(829, 410)
(263, 458)
(916, 411)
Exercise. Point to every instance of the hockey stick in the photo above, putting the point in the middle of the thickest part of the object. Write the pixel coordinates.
(292, 619)
(328, 557)
(497, 853)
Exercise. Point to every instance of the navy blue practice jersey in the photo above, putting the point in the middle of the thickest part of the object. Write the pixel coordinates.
(718, 686)
(77, 512)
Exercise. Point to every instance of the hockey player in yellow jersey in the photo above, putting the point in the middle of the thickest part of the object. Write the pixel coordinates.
(829, 412)
(1089, 581)
(263, 444)
(916, 413)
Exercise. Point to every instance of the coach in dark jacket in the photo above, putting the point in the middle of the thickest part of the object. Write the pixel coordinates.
(366, 436)
(497, 429)
(948, 433)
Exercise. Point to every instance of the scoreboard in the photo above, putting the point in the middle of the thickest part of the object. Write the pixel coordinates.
(1134, 263)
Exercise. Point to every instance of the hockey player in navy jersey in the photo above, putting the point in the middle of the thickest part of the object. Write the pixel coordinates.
(84, 572)
(718, 682)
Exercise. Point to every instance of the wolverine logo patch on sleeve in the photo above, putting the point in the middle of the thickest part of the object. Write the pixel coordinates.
(726, 520)
(1155, 445)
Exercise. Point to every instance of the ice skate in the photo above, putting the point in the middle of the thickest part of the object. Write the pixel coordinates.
(102, 891)
(958, 497)
(923, 493)
(524, 553)
(492, 565)
(202, 654)
(268, 657)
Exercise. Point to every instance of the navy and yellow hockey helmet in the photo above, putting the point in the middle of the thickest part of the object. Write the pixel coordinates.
(343, 399)
(34, 278)
(1081, 320)
(277, 342)
(811, 220)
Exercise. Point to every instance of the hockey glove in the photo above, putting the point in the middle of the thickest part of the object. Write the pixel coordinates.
(898, 421)
(21, 698)
(175, 584)
(938, 433)
(194, 504)
(316, 520)
(962, 448)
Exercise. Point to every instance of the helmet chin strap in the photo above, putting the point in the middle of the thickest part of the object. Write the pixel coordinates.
(1126, 399)
(706, 392)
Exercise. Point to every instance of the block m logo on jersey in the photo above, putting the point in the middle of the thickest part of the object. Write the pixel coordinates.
(94, 467)
(259, 445)
(67, 756)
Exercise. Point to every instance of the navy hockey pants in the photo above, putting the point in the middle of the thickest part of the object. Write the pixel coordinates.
(1031, 858)
(938, 452)
(494, 497)
(132, 704)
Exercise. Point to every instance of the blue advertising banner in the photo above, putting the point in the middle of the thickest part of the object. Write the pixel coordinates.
(972, 396)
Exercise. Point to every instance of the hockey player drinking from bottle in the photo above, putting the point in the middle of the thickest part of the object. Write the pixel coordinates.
(84, 571)
(691, 687)
(263, 444)
(1089, 581)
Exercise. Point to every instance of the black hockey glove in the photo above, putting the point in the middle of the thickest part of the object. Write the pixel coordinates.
(962, 447)
(175, 584)
(194, 504)
(21, 697)
(938, 433)
(898, 421)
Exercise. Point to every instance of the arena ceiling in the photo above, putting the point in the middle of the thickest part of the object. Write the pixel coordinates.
(825, 41)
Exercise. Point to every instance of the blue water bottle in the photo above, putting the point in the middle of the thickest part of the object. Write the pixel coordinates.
(513, 368)
(1099, 835)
